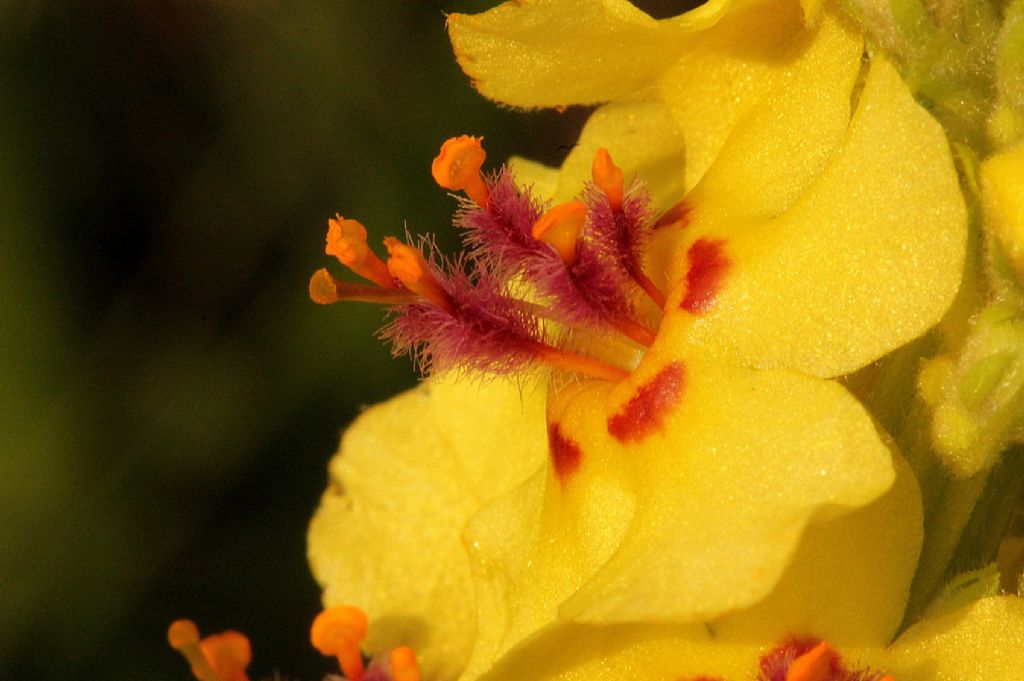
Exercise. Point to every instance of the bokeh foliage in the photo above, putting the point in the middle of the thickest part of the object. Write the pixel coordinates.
(169, 397)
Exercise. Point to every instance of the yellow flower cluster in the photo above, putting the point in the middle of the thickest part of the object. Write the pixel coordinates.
(730, 494)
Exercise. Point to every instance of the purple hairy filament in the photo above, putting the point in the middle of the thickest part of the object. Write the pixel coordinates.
(525, 271)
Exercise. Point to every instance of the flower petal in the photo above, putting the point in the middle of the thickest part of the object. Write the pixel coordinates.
(850, 577)
(727, 69)
(629, 652)
(878, 241)
(644, 142)
(725, 488)
(386, 537)
(544, 52)
(648, 529)
(983, 641)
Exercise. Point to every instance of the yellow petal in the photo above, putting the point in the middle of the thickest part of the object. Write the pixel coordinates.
(644, 142)
(877, 245)
(770, 138)
(561, 52)
(784, 139)
(1002, 193)
(533, 547)
(725, 70)
(631, 652)
(724, 488)
(651, 528)
(983, 641)
(386, 537)
(850, 577)
(541, 180)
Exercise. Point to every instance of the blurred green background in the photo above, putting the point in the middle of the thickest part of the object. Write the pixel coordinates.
(170, 396)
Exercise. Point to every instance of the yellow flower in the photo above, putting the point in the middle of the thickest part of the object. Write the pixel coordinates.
(727, 484)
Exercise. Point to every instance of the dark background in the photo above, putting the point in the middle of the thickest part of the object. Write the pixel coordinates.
(169, 397)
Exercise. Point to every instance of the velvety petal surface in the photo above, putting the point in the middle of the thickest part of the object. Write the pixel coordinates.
(744, 61)
(983, 641)
(631, 652)
(725, 484)
(386, 537)
(684, 507)
(536, 53)
(848, 580)
(867, 259)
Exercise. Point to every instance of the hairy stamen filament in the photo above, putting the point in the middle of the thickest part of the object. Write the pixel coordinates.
(408, 265)
(648, 287)
(567, 360)
(634, 330)
(325, 288)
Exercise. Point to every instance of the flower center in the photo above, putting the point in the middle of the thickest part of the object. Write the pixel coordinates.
(810, 660)
(531, 286)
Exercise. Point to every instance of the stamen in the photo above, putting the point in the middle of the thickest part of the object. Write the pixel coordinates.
(608, 177)
(560, 227)
(219, 657)
(633, 330)
(408, 265)
(346, 240)
(649, 287)
(338, 631)
(183, 635)
(581, 364)
(457, 167)
(403, 665)
(325, 288)
(813, 665)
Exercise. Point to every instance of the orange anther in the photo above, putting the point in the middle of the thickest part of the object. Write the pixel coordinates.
(408, 266)
(229, 653)
(813, 665)
(560, 227)
(403, 665)
(457, 167)
(608, 177)
(182, 633)
(346, 241)
(338, 631)
(220, 657)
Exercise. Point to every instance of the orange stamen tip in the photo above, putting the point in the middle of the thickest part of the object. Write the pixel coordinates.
(182, 633)
(406, 263)
(608, 177)
(337, 629)
(346, 240)
(229, 653)
(403, 664)
(457, 167)
(459, 160)
(813, 665)
(322, 290)
(560, 227)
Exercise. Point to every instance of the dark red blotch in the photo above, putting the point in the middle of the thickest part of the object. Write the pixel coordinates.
(708, 265)
(645, 412)
(566, 454)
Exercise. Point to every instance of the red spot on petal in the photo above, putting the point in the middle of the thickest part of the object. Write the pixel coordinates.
(645, 412)
(565, 453)
(708, 265)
